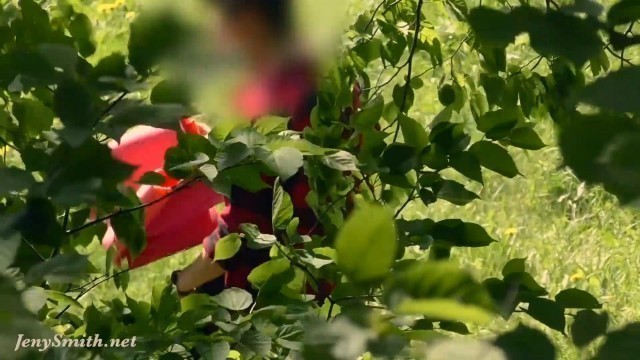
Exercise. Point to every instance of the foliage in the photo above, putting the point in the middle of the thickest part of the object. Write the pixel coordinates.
(59, 108)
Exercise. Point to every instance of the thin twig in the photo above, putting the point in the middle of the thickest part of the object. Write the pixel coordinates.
(6, 143)
(111, 106)
(373, 16)
(133, 209)
(34, 249)
(412, 52)
(626, 33)
(409, 200)
(84, 292)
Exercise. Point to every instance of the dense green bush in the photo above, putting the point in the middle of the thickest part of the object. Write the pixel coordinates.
(62, 100)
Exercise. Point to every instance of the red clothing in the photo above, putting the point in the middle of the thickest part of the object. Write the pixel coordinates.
(290, 92)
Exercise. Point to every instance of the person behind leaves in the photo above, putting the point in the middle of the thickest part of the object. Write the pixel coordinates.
(282, 83)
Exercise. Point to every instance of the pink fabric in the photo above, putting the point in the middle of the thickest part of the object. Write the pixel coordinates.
(175, 223)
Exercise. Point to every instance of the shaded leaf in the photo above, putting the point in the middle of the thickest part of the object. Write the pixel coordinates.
(605, 91)
(548, 312)
(525, 343)
(621, 344)
(14, 180)
(577, 299)
(62, 269)
(495, 158)
(588, 326)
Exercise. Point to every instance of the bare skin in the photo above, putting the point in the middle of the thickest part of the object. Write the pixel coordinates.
(250, 34)
(201, 271)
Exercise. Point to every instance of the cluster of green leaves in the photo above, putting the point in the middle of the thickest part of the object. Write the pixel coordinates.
(59, 110)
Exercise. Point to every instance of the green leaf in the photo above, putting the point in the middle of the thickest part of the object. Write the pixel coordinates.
(526, 138)
(548, 312)
(621, 344)
(179, 164)
(445, 310)
(81, 29)
(209, 171)
(130, 231)
(42, 212)
(60, 56)
(256, 342)
(605, 91)
(247, 177)
(159, 115)
(367, 253)
(498, 121)
(447, 95)
(270, 125)
(34, 299)
(171, 92)
(234, 299)
(453, 326)
(14, 180)
(74, 104)
(62, 269)
(152, 178)
(454, 192)
(33, 116)
(525, 343)
(403, 95)
(602, 150)
(494, 87)
(588, 326)
(623, 12)
(227, 247)
(261, 274)
(436, 280)
(153, 36)
(8, 249)
(556, 33)
(413, 132)
(232, 155)
(369, 115)
(285, 161)
(63, 299)
(255, 239)
(368, 50)
(468, 165)
(528, 286)
(514, 266)
(495, 158)
(282, 208)
(341, 161)
(216, 351)
(577, 299)
(399, 158)
(493, 27)
(455, 232)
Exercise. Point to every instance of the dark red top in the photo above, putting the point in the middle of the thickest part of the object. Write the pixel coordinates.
(290, 91)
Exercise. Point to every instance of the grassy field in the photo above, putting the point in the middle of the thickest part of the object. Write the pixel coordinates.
(571, 235)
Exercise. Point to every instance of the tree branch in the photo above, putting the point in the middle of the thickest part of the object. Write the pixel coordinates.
(133, 209)
(111, 106)
(409, 200)
(412, 52)
(6, 143)
(84, 292)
